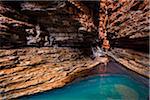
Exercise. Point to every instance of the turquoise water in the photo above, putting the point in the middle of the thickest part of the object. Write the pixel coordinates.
(111, 87)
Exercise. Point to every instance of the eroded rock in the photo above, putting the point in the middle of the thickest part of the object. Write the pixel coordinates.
(41, 69)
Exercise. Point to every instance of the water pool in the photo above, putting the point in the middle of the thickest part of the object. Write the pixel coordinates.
(98, 87)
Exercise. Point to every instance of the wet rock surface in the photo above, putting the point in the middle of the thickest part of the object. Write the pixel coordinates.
(30, 70)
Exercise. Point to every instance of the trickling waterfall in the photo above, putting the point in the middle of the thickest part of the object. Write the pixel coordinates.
(97, 52)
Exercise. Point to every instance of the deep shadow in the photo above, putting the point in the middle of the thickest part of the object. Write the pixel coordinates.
(137, 44)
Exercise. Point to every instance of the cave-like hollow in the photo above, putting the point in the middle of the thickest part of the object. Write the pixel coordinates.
(75, 23)
(120, 27)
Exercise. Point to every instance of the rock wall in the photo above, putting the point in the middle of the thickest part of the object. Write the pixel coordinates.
(41, 24)
(24, 71)
(12, 27)
(73, 23)
(126, 23)
(32, 70)
(132, 60)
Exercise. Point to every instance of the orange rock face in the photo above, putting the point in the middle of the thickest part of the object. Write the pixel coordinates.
(31, 70)
(126, 19)
(84, 16)
(133, 60)
(123, 24)
(106, 44)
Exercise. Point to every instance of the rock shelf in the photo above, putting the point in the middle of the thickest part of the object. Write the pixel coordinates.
(31, 70)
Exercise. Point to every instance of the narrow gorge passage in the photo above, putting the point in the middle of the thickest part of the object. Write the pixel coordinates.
(47, 44)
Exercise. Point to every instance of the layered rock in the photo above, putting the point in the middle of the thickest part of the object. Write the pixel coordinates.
(12, 28)
(25, 71)
(44, 24)
(133, 60)
(116, 20)
(125, 23)
(31, 70)
(84, 16)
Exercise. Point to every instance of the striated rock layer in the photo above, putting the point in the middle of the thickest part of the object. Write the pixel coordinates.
(44, 24)
(133, 60)
(30, 70)
(25, 71)
(125, 23)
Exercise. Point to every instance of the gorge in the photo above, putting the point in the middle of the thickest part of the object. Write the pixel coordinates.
(47, 44)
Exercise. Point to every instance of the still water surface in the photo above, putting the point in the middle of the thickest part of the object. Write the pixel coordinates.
(115, 84)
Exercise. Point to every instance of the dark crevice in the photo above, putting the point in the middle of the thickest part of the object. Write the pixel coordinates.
(141, 44)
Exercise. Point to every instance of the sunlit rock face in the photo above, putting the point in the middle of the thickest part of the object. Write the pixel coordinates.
(31, 70)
